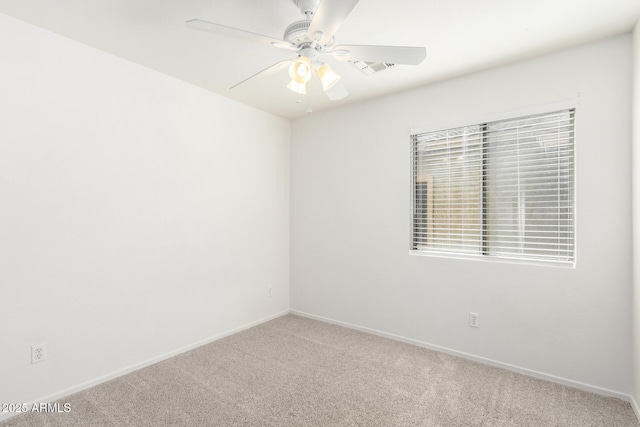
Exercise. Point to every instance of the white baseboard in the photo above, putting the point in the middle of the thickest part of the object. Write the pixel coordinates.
(83, 386)
(525, 371)
(636, 407)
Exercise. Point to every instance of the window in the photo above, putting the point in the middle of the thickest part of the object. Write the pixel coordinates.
(500, 189)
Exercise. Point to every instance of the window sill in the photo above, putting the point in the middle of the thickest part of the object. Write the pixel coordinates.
(494, 259)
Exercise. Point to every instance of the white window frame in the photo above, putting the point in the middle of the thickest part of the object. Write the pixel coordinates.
(572, 104)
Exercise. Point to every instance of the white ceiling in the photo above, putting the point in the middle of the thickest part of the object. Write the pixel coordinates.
(461, 36)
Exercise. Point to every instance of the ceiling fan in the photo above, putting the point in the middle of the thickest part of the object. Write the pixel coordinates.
(312, 39)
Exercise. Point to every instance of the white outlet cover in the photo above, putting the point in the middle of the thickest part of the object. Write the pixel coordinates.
(474, 320)
(38, 353)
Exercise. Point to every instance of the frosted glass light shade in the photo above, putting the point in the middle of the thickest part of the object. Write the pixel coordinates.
(327, 77)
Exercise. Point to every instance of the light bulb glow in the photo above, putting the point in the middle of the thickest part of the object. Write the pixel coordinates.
(300, 70)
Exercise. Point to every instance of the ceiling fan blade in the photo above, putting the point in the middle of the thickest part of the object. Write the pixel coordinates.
(337, 92)
(272, 69)
(405, 55)
(328, 18)
(223, 30)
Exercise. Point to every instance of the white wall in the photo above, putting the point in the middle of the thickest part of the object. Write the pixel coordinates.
(350, 257)
(140, 214)
(636, 220)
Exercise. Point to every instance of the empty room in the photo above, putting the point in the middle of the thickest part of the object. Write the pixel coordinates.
(319, 213)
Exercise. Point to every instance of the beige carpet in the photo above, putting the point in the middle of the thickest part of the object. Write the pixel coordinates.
(294, 371)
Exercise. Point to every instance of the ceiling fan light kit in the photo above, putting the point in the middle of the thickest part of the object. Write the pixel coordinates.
(312, 39)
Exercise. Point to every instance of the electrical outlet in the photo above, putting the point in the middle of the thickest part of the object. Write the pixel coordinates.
(474, 320)
(38, 353)
(269, 291)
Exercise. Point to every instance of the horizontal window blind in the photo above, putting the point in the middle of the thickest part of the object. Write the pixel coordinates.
(503, 189)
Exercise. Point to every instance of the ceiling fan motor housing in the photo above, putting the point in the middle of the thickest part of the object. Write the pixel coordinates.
(296, 33)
